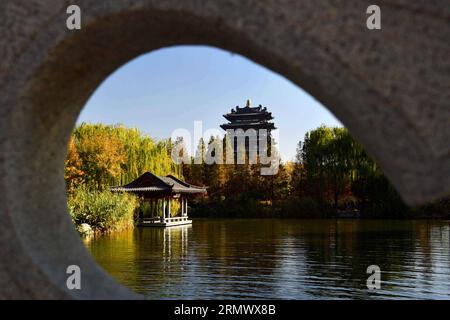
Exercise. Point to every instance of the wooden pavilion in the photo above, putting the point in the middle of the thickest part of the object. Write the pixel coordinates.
(159, 193)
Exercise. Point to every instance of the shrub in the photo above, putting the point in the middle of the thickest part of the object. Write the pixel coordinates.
(103, 211)
(305, 207)
(146, 210)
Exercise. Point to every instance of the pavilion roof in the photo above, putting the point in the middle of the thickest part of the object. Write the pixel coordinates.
(148, 182)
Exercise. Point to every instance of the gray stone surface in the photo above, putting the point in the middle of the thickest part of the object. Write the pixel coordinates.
(389, 87)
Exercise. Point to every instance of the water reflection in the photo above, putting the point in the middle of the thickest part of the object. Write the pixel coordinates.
(285, 259)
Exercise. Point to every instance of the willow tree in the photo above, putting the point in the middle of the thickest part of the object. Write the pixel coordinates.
(114, 155)
(327, 159)
(102, 154)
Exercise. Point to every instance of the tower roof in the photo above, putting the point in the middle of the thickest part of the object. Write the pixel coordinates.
(249, 117)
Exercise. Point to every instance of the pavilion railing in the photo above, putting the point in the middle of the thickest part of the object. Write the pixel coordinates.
(160, 219)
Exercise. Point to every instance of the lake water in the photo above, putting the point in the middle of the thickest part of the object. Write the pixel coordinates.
(281, 259)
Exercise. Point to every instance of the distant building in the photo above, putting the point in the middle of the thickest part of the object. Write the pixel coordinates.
(248, 118)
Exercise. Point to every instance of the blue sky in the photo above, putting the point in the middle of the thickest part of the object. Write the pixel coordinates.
(172, 87)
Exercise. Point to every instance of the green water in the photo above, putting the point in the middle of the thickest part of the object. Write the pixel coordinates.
(282, 259)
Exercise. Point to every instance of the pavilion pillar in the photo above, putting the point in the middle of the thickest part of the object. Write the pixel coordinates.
(169, 214)
(154, 206)
(164, 209)
(182, 205)
(150, 202)
(186, 207)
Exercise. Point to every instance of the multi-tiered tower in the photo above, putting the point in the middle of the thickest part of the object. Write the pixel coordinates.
(247, 118)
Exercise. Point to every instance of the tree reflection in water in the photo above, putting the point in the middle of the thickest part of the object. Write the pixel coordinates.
(285, 259)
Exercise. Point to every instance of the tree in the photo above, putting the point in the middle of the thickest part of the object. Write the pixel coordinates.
(102, 156)
(73, 174)
(115, 155)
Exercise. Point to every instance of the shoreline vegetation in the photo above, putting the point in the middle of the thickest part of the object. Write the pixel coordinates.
(101, 211)
(332, 176)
